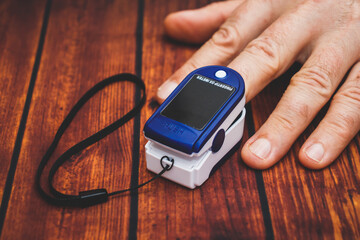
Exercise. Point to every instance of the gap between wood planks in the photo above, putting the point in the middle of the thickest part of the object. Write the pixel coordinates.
(24, 116)
(136, 147)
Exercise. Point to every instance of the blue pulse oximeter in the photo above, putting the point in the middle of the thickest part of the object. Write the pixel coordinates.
(199, 122)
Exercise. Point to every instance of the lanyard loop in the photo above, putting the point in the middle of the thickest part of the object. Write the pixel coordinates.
(94, 196)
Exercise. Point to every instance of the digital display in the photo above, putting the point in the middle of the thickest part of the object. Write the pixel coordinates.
(198, 101)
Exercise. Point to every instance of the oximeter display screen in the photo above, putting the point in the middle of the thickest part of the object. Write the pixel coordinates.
(198, 101)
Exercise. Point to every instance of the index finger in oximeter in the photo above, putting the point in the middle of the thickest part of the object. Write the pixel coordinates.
(197, 125)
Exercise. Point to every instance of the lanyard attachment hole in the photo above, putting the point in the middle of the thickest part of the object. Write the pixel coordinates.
(167, 162)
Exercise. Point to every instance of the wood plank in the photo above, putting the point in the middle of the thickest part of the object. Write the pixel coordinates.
(86, 41)
(18, 42)
(305, 203)
(227, 205)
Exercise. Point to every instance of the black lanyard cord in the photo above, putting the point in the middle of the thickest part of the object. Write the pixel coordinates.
(95, 196)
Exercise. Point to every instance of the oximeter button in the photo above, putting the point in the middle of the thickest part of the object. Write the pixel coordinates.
(218, 141)
(220, 74)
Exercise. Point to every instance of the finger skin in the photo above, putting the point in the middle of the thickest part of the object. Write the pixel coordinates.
(308, 92)
(197, 26)
(246, 23)
(276, 49)
(339, 126)
(268, 56)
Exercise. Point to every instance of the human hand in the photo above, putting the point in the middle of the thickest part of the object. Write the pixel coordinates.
(261, 39)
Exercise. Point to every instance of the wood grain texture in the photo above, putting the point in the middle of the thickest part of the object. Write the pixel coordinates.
(86, 41)
(305, 203)
(20, 24)
(227, 205)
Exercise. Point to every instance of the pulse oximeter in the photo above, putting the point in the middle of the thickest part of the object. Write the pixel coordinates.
(197, 125)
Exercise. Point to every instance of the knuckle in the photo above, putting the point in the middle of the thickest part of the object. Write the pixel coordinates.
(291, 119)
(284, 122)
(267, 49)
(301, 111)
(347, 120)
(349, 98)
(351, 95)
(315, 79)
(264, 46)
(343, 125)
(227, 36)
(193, 64)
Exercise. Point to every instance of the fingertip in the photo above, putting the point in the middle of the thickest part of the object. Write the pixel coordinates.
(313, 155)
(159, 99)
(165, 89)
(197, 25)
(171, 25)
(256, 153)
(180, 26)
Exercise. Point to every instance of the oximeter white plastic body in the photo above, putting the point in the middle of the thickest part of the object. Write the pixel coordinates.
(191, 136)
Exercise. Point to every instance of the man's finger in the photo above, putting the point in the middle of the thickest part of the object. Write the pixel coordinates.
(308, 91)
(276, 49)
(246, 22)
(340, 125)
(197, 25)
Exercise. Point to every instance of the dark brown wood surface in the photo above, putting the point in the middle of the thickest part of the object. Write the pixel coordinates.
(20, 25)
(61, 48)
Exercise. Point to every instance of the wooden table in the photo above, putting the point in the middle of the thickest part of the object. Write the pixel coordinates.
(52, 51)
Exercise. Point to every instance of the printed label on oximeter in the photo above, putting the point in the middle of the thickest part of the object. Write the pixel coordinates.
(198, 101)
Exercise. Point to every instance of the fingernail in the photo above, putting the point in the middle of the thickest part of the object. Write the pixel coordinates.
(315, 152)
(166, 88)
(261, 148)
